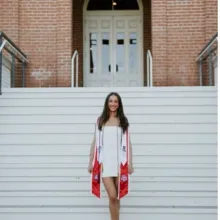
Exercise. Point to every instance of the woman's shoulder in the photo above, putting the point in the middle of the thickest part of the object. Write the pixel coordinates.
(98, 118)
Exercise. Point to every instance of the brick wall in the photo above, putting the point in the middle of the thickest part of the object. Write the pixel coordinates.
(64, 42)
(42, 29)
(159, 42)
(9, 18)
(38, 35)
(211, 21)
(185, 38)
(180, 31)
(49, 31)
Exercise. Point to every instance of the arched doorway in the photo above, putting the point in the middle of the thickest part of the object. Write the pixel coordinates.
(113, 47)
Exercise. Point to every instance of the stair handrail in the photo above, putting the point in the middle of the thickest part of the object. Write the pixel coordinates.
(8, 41)
(7, 44)
(75, 56)
(208, 50)
(207, 46)
(149, 69)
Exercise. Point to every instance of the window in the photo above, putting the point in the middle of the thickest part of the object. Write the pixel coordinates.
(112, 5)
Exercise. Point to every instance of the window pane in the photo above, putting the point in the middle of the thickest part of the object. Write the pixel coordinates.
(105, 53)
(93, 52)
(112, 5)
(125, 5)
(133, 53)
(99, 5)
(120, 50)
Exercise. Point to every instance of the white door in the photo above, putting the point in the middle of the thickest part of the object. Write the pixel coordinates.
(112, 51)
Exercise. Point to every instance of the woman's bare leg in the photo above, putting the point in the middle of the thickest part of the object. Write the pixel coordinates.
(112, 194)
(116, 185)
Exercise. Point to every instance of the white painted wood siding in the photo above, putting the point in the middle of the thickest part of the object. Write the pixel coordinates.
(6, 72)
(45, 136)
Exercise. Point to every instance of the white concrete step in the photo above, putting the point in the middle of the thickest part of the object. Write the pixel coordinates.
(45, 136)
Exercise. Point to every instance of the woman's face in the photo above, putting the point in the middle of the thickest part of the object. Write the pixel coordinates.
(113, 103)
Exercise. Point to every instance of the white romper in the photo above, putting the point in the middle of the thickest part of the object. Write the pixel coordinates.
(111, 146)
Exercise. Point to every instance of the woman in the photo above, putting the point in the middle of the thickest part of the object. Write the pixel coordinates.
(111, 141)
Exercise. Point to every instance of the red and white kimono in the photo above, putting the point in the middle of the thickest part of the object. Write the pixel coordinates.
(96, 175)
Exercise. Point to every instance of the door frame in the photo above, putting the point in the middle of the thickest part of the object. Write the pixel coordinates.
(139, 13)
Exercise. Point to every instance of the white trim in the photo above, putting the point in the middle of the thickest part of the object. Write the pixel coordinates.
(86, 13)
(142, 46)
(86, 2)
(113, 13)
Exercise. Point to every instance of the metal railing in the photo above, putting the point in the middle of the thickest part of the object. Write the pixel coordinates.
(206, 54)
(75, 57)
(149, 69)
(7, 44)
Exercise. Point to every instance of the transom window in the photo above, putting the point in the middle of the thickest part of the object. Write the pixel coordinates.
(112, 5)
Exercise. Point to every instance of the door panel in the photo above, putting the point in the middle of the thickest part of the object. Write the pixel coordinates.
(98, 52)
(126, 37)
(112, 51)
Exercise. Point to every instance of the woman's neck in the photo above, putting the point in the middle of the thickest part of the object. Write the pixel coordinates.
(112, 115)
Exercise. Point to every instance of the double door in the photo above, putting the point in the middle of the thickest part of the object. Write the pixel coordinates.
(112, 52)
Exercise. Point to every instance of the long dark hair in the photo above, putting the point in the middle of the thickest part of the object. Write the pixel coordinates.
(123, 121)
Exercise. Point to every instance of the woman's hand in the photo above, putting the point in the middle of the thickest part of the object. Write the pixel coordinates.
(90, 168)
(130, 169)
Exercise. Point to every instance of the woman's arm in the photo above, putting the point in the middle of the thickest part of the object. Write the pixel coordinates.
(130, 154)
(92, 150)
(130, 162)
